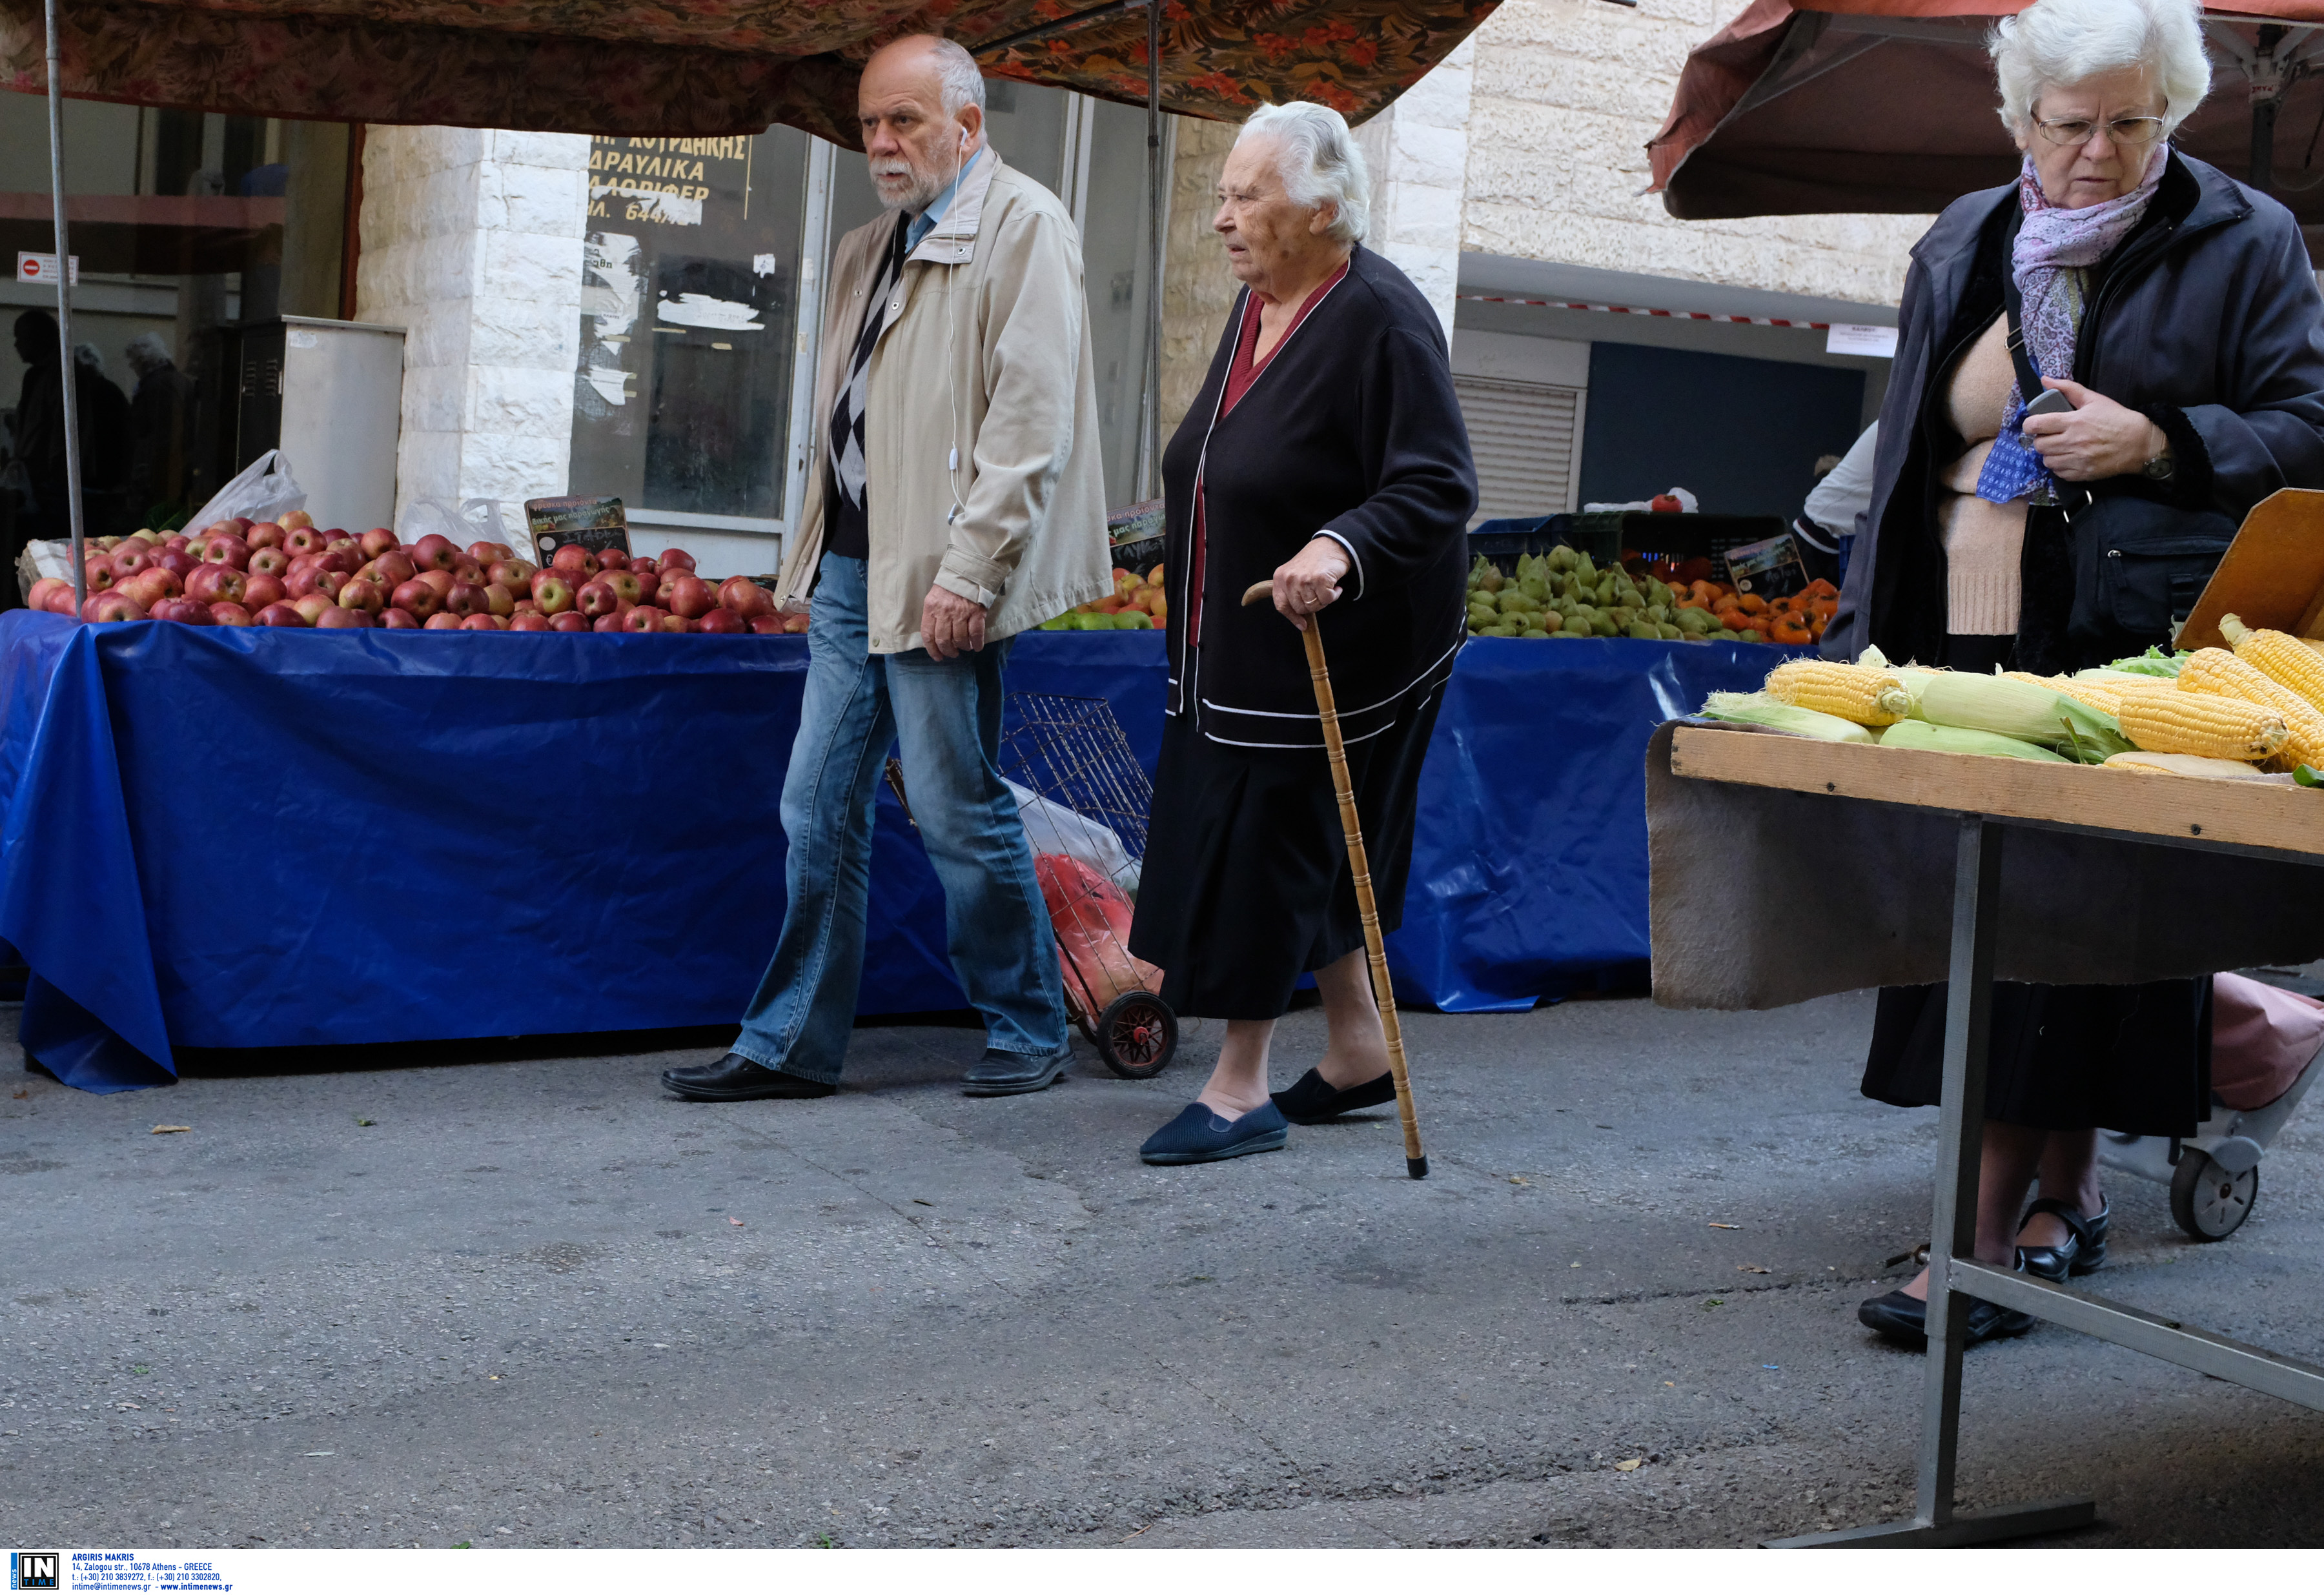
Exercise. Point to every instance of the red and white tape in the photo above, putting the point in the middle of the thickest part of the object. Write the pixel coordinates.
(1493, 298)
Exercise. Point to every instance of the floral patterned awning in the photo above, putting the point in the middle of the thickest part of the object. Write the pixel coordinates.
(702, 67)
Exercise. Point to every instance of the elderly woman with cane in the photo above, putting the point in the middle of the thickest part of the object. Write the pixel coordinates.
(2101, 369)
(1324, 457)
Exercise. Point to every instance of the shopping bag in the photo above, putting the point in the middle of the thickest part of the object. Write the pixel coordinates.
(1090, 918)
(1052, 827)
(264, 491)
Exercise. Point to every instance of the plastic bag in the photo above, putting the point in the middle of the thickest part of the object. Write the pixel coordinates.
(264, 491)
(463, 520)
(1052, 827)
(1090, 920)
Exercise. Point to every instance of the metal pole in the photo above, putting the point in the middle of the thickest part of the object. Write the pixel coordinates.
(1961, 1135)
(64, 302)
(1155, 177)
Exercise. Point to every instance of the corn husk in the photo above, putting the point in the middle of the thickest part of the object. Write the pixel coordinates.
(1759, 708)
(2024, 709)
(2194, 764)
(1924, 736)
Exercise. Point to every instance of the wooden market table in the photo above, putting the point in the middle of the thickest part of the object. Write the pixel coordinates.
(2060, 874)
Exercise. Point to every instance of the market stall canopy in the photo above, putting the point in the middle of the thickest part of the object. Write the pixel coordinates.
(697, 67)
(1889, 106)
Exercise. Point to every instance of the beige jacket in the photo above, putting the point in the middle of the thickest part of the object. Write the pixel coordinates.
(989, 323)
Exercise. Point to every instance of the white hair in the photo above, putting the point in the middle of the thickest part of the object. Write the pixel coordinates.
(1319, 162)
(147, 351)
(2058, 43)
(962, 79)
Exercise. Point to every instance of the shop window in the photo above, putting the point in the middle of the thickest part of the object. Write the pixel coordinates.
(690, 307)
(1525, 438)
(187, 227)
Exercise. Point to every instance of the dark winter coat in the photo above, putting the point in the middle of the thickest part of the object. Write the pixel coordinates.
(1351, 428)
(2207, 318)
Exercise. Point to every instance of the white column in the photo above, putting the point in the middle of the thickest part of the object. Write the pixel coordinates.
(1418, 149)
(471, 240)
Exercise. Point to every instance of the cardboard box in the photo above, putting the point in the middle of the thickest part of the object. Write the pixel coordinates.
(2271, 576)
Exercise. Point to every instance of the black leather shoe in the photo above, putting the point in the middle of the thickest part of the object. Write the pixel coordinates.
(1312, 1099)
(1013, 1074)
(2084, 1249)
(737, 1079)
(1902, 1319)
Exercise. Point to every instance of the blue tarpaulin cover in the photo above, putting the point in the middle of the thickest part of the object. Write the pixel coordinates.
(238, 837)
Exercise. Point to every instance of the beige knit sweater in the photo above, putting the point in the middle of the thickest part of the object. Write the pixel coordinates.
(1982, 541)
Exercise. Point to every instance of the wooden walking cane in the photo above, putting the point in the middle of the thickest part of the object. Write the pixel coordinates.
(1415, 1161)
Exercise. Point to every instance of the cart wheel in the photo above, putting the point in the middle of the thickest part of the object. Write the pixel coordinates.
(2209, 1202)
(1135, 1035)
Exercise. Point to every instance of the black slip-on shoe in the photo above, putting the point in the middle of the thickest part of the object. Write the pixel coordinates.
(1905, 1320)
(1200, 1135)
(1313, 1099)
(2084, 1249)
(737, 1079)
(1013, 1074)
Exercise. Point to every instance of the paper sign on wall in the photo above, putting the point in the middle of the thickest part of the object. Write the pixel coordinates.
(1847, 338)
(42, 268)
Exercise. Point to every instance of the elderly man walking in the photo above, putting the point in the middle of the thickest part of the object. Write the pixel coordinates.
(960, 501)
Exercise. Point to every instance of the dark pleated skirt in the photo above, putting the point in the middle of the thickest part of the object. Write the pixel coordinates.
(1246, 883)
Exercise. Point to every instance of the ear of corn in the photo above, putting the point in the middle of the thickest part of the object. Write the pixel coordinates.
(2029, 711)
(2229, 675)
(1958, 739)
(1759, 709)
(2202, 723)
(1857, 693)
(2218, 769)
(2281, 658)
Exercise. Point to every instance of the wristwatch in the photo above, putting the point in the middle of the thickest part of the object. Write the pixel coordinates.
(2159, 467)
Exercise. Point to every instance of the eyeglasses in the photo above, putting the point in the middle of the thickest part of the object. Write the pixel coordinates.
(2128, 131)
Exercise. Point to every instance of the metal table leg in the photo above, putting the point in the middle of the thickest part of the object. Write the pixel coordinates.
(1952, 1231)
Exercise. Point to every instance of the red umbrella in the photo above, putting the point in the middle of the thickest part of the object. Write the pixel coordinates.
(1889, 106)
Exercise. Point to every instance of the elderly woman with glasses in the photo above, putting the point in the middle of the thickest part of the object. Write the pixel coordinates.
(1324, 454)
(2176, 313)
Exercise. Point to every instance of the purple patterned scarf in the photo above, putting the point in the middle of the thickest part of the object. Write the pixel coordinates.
(2055, 251)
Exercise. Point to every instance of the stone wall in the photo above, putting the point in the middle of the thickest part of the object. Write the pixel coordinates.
(1417, 150)
(1198, 290)
(472, 242)
(1566, 94)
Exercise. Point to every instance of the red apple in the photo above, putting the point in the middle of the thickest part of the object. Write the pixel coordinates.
(314, 578)
(479, 622)
(38, 598)
(794, 625)
(61, 601)
(566, 621)
(216, 584)
(273, 562)
(266, 534)
(677, 624)
(499, 602)
(611, 620)
(312, 607)
(297, 518)
(147, 587)
(97, 574)
(515, 574)
(745, 597)
(724, 621)
(304, 540)
(465, 599)
(527, 606)
(110, 607)
(364, 596)
(641, 566)
(435, 552)
(624, 584)
(176, 562)
(574, 558)
(378, 540)
(229, 614)
(184, 611)
(767, 625)
(336, 619)
(260, 590)
(470, 572)
(227, 550)
(395, 564)
(485, 553)
(441, 580)
(552, 592)
(690, 596)
(611, 560)
(398, 620)
(419, 597)
(176, 541)
(676, 559)
(441, 622)
(645, 617)
(342, 560)
(530, 623)
(597, 598)
(128, 560)
(279, 614)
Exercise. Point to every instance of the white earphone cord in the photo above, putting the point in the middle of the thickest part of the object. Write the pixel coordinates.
(951, 386)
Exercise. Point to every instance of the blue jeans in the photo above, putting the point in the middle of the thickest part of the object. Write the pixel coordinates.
(947, 716)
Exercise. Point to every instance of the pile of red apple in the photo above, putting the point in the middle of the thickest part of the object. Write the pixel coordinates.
(241, 573)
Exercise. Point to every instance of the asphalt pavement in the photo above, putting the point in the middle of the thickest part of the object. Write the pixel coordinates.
(536, 1302)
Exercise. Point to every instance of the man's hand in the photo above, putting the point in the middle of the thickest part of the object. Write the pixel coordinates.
(2100, 438)
(949, 624)
(1310, 579)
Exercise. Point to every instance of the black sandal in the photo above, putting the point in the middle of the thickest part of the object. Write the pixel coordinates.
(2084, 1250)
(1313, 1099)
